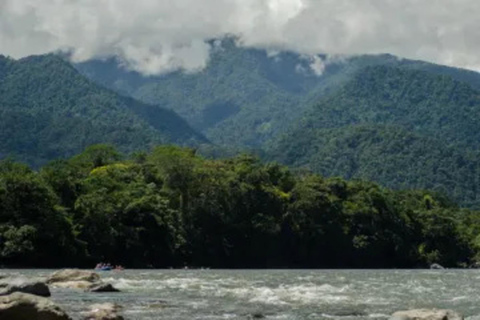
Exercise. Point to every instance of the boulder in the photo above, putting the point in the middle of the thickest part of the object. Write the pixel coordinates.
(24, 306)
(69, 275)
(104, 311)
(427, 314)
(436, 266)
(73, 279)
(35, 287)
(102, 287)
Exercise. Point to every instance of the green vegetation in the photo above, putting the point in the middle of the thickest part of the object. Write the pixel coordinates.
(245, 97)
(393, 156)
(399, 127)
(407, 125)
(431, 105)
(398, 122)
(171, 207)
(48, 110)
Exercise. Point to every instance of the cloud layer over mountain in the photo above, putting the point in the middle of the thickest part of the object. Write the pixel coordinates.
(154, 36)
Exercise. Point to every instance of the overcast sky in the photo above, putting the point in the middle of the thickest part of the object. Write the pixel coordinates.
(154, 36)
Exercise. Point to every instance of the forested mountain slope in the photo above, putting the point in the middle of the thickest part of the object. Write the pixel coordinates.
(429, 104)
(275, 102)
(247, 96)
(400, 127)
(49, 110)
(390, 155)
(244, 96)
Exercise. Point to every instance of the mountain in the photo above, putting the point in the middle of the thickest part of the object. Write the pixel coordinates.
(276, 102)
(401, 127)
(391, 155)
(432, 105)
(49, 110)
(245, 96)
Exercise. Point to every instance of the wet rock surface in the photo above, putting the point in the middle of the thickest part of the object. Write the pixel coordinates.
(427, 314)
(24, 285)
(102, 287)
(70, 275)
(104, 311)
(23, 306)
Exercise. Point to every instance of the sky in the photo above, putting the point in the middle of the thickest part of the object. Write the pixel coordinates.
(157, 36)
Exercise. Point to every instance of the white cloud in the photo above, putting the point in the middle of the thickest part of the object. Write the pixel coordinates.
(154, 36)
(317, 65)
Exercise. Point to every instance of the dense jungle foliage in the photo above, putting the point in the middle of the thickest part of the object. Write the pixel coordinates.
(170, 207)
(49, 110)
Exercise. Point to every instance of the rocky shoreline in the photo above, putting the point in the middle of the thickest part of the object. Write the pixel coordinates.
(27, 299)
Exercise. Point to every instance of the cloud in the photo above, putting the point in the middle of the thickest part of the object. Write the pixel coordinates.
(317, 65)
(155, 36)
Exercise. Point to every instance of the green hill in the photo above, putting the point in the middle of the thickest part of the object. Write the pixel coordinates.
(393, 156)
(400, 127)
(49, 110)
(419, 101)
(247, 96)
(243, 97)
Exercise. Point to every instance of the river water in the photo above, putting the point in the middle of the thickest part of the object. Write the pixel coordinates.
(277, 294)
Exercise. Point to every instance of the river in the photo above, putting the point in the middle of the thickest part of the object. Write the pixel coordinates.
(277, 294)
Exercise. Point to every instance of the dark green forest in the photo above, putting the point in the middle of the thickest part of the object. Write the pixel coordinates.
(48, 110)
(172, 208)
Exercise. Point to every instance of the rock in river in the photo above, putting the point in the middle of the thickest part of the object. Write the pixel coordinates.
(23, 306)
(74, 279)
(35, 287)
(69, 275)
(104, 311)
(102, 287)
(427, 314)
(79, 279)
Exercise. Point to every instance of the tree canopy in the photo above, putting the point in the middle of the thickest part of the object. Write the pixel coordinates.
(171, 207)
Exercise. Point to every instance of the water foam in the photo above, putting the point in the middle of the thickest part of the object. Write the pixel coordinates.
(288, 294)
(251, 291)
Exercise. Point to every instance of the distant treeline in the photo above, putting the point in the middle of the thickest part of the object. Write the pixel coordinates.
(171, 208)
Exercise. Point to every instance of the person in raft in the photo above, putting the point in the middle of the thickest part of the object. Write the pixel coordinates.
(102, 265)
(108, 266)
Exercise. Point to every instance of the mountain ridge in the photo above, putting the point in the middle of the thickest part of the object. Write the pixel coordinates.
(49, 111)
(245, 97)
